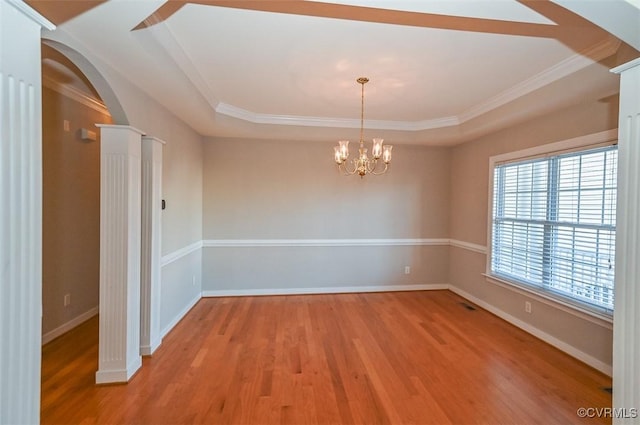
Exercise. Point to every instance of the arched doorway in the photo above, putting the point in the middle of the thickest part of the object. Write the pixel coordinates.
(71, 194)
(129, 172)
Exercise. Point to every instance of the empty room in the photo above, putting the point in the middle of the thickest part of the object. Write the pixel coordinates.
(305, 212)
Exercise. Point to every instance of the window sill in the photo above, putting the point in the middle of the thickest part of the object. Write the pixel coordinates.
(601, 319)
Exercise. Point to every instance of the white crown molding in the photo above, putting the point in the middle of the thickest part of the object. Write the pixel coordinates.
(178, 54)
(560, 70)
(26, 10)
(572, 64)
(75, 94)
(303, 121)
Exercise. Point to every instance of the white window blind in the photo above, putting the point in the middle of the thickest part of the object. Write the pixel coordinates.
(553, 225)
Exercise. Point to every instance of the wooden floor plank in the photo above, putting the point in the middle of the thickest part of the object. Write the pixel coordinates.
(380, 358)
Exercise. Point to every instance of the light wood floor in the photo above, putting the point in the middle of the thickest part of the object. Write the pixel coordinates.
(398, 358)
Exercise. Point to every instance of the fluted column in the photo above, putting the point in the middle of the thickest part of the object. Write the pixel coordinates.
(626, 318)
(150, 337)
(20, 212)
(120, 243)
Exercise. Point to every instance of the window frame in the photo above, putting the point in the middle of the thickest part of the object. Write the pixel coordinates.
(591, 141)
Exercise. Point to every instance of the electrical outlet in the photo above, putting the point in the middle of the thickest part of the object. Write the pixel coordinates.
(407, 269)
(67, 300)
(527, 306)
(193, 280)
(65, 125)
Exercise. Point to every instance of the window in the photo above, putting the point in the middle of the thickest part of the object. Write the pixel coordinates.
(553, 225)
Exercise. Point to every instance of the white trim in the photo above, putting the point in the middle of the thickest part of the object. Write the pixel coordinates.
(547, 149)
(154, 139)
(236, 243)
(180, 316)
(568, 66)
(182, 252)
(324, 290)
(561, 345)
(32, 14)
(468, 246)
(620, 69)
(76, 321)
(556, 147)
(119, 375)
(75, 94)
(307, 121)
(148, 350)
(122, 127)
(572, 64)
(583, 313)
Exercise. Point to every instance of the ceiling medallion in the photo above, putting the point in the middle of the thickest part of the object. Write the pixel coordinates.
(363, 164)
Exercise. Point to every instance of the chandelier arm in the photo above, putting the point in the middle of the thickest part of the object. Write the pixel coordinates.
(384, 170)
(372, 164)
(345, 169)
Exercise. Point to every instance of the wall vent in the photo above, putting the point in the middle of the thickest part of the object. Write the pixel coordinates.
(467, 306)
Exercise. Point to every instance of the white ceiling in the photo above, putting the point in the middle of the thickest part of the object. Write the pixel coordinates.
(441, 72)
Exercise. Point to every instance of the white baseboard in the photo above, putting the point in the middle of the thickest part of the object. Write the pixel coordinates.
(148, 350)
(322, 290)
(119, 375)
(180, 315)
(51, 335)
(549, 339)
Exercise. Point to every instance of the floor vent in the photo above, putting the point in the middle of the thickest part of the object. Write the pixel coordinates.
(607, 390)
(468, 306)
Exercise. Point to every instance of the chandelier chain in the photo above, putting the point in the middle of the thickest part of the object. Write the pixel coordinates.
(363, 164)
(362, 82)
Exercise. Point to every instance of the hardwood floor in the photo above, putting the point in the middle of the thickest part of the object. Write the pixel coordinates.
(378, 358)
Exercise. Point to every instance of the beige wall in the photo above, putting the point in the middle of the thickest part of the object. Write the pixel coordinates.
(182, 174)
(272, 190)
(469, 209)
(256, 190)
(470, 161)
(291, 190)
(181, 187)
(182, 167)
(71, 210)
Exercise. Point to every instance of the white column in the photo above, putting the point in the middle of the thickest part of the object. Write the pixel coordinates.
(626, 318)
(20, 212)
(120, 236)
(150, 337)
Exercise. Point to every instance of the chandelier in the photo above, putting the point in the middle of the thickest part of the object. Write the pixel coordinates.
(363, 164)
